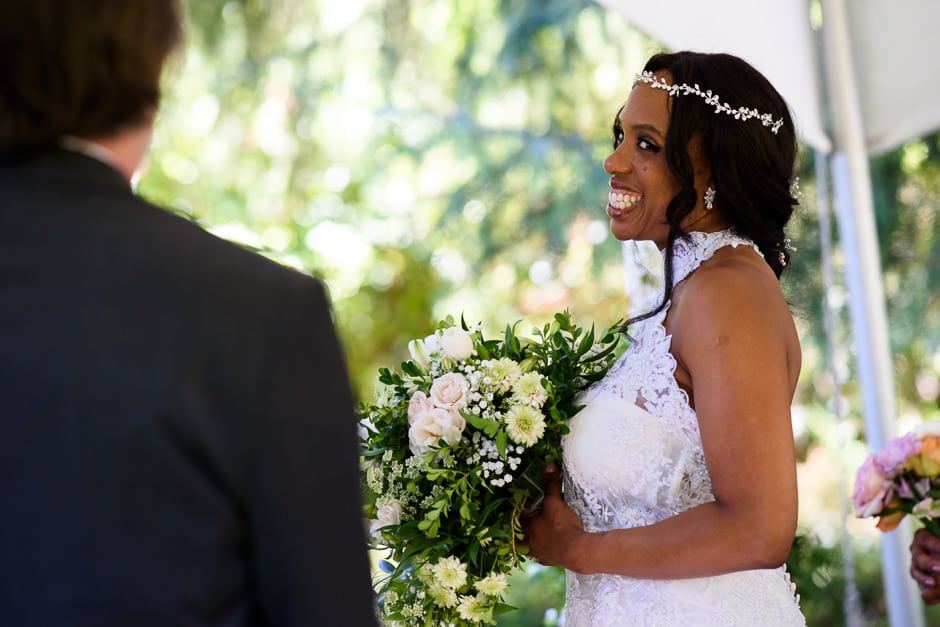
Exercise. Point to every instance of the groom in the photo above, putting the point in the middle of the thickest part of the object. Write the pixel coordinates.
(177, 435)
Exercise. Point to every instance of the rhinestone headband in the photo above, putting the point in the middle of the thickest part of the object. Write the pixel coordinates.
(741, 113)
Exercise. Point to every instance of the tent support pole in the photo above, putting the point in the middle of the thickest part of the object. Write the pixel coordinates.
(859, 237)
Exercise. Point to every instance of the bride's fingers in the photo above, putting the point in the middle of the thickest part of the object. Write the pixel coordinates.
(552, 480)
(924, 580)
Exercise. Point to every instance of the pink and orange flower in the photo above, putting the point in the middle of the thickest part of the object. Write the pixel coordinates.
(901, 479)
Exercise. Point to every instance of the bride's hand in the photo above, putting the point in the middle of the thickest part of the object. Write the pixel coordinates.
(925, 557)
(551, 530)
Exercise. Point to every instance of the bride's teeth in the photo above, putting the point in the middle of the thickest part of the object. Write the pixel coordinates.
(620, 200)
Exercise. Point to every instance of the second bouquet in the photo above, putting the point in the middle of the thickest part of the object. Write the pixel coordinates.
(453, 450)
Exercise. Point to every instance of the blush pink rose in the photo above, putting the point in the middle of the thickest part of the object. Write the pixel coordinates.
(449, 391)
(418, 404)
(871, 489)
(389, 514)
(433, 426)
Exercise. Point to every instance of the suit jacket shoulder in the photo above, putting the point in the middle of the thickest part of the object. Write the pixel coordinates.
(178, 434)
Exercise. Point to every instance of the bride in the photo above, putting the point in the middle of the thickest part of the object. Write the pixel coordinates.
(679, 476)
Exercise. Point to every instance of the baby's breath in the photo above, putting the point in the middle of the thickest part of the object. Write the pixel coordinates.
(447, 460)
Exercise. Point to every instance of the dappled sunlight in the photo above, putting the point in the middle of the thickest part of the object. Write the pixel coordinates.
(442, 158)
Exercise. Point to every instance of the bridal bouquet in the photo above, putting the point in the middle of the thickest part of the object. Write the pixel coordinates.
(901, 479)
(452, 453)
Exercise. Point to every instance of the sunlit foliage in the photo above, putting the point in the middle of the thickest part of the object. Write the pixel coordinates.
(434, 157)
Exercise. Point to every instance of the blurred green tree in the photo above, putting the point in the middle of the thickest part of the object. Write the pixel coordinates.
(433, 157)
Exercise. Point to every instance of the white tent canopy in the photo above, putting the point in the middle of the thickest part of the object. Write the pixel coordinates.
(894, 45)
(863, 83)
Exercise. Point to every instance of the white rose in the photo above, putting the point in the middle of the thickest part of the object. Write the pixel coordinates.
(457, 343)
(449, 391)
(432, 344)
(432, 426)
(388, 514)
(418, 404)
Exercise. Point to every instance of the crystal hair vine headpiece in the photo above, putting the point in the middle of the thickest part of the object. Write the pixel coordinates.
(741, 113)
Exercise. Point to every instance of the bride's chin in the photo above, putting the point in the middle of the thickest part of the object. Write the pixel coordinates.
(620, 233)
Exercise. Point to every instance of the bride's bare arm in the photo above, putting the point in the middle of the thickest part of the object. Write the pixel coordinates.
(735, 338)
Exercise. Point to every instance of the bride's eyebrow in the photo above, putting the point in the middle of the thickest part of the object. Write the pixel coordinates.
(650, 129)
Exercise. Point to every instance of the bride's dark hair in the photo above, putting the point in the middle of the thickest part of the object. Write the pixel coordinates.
(751, 166)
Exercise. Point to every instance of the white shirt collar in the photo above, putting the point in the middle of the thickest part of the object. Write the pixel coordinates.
(89, 149)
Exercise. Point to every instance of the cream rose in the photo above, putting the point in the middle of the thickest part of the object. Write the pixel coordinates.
(388, 514)
(449, 391)
(926, 429)
(456, 343)
(418, 404)
(433, 426)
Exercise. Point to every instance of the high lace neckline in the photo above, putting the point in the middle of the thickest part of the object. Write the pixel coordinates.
(689, 253)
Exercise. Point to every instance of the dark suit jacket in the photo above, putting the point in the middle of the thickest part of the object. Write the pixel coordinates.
(177, 433)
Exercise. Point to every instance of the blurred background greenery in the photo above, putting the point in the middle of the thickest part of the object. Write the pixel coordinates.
(434, 157)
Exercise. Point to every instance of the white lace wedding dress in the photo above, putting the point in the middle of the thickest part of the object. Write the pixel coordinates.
(633, 458)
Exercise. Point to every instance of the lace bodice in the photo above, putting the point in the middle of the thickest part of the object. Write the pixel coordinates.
(634, 457)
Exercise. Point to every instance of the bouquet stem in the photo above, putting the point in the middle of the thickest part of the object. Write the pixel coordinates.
(932, 526)
(532, 475)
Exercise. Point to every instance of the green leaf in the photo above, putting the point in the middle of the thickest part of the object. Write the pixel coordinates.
(586, 342)
(489, 427)
(473, 552)
(501, 443)
(386, 567)
(411, 368)
(502, 608)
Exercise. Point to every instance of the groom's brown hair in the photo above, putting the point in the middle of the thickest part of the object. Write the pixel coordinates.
(80, 67)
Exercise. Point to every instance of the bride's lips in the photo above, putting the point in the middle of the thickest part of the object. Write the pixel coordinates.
(619, 201)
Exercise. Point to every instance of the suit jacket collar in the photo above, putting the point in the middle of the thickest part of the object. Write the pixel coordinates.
(64, 168)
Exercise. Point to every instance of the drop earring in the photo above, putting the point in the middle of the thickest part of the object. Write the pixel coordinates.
(709, 198)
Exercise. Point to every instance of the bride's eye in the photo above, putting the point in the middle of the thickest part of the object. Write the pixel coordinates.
(646, 145)
(618, 139)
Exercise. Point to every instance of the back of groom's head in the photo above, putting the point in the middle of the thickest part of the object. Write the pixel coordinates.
(89, 68)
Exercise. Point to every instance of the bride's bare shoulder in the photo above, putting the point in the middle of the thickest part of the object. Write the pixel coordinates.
(733, 289)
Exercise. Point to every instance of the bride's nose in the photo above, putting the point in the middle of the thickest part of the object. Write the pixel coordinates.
(618, 161)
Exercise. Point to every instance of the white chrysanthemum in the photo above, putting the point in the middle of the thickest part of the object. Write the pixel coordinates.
(425, 574)
(524, 424)
(450, 572)
(473, 609)
(492, 585)
(502, 373)
(443, 597)
(529, 390)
